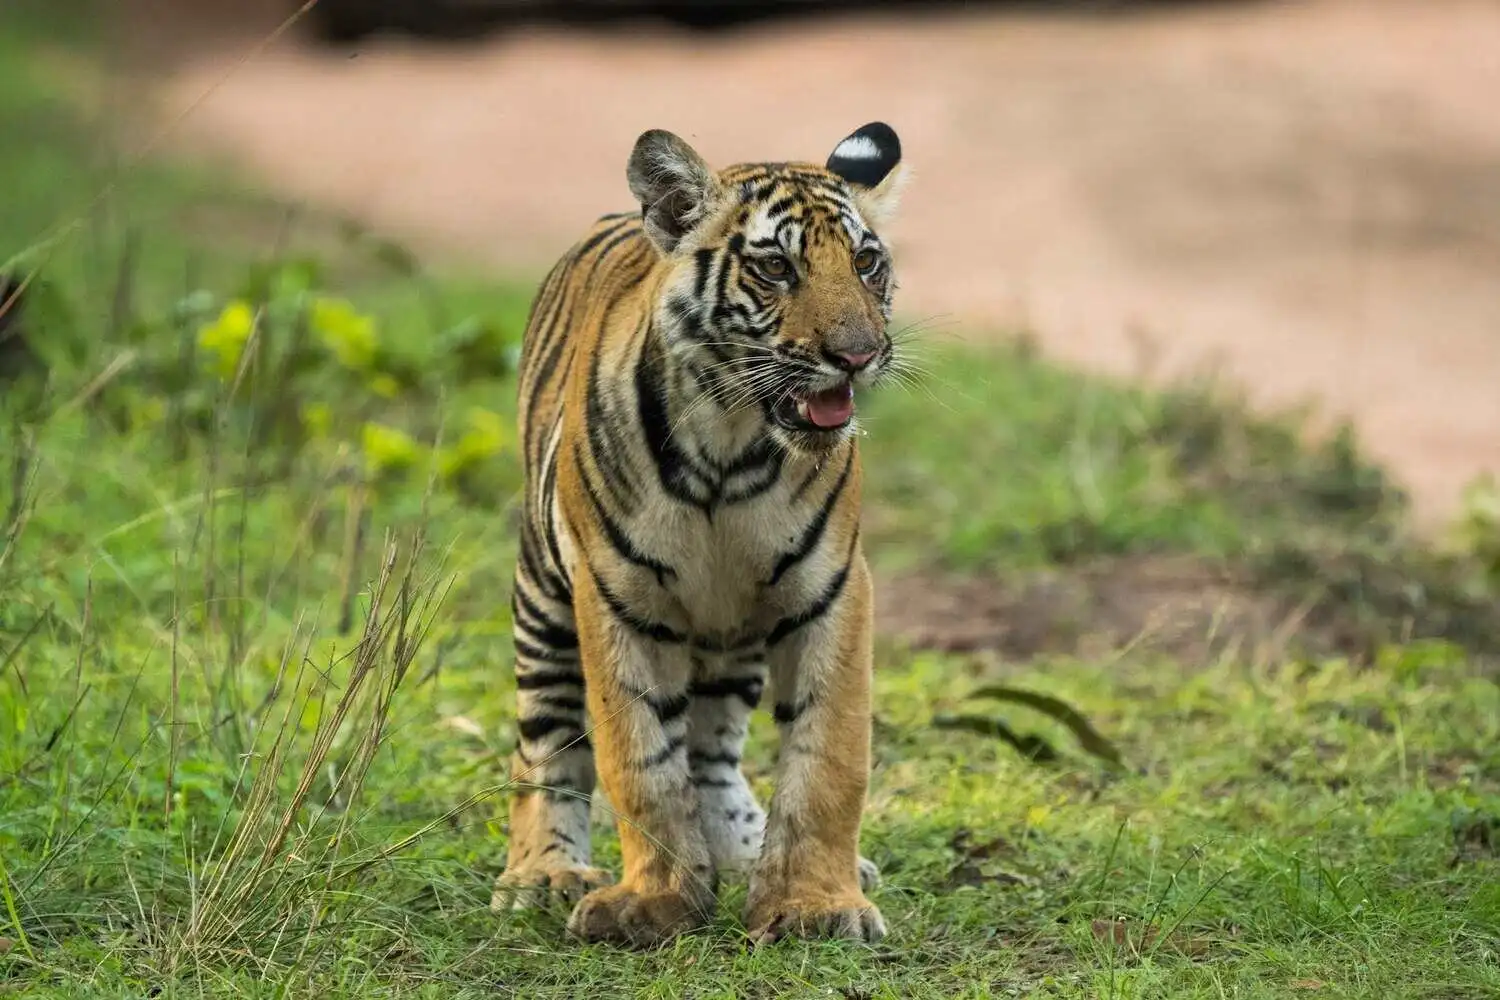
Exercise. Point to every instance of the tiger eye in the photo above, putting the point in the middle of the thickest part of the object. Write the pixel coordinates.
(865, 261)
(775, 267)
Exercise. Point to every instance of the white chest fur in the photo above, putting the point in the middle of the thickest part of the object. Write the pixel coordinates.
(733, 570)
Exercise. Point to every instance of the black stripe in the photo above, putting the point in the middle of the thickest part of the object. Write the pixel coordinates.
(729, 309)
(715, 379)
(703, 262)
(563, 703)
(747, 689)
(545, 295)
(611, 454)
(542, 653)
(665, 754)
(702, 759)
(534, 679)
(760, 453)
(721, 289)
(642, 626)
(704, 782)
(546, 630)
(615, 242)
(669, 708)
(605, 445)
(819, 608)
(814, 530)
(765, 465)
(549, 498)
(559, 640)
(550, 584)
(674, 468)
(684, 313)
(621, 222)
(785, 713)
(553, 334)
(541, 726)
(781, 206)
(559, 323)
(787, 223)
(622, 545)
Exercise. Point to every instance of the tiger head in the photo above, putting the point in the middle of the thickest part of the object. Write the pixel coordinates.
(777, 291)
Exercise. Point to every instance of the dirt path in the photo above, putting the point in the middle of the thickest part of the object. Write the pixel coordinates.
(1306, 194)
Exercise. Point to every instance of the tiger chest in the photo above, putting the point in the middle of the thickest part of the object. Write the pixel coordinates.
(730, 574)
(732, 571)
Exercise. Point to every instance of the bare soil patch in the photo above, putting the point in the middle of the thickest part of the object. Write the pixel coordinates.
(1170, 605)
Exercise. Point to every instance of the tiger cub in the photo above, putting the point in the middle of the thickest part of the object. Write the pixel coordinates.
(690, 539)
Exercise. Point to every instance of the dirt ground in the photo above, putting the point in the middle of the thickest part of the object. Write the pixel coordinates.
(1304, 195)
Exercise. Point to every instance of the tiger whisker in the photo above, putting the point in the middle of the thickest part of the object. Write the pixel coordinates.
(763, 376)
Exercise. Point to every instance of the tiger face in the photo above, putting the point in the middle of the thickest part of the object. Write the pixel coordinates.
(777, 293)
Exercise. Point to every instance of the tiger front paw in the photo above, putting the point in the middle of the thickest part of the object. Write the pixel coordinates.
(851, 917)
(526, 887)
(624, 915)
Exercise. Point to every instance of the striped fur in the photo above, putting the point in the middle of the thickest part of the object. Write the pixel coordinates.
(690, 544)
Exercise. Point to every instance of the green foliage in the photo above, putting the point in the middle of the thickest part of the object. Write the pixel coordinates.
(255, 712)
(1042, 466)
(1478, 529)
(294, 370)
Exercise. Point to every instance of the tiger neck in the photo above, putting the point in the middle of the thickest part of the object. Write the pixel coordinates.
(705, 414)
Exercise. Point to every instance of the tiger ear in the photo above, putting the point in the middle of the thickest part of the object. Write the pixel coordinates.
(869, 161)
(675, 187)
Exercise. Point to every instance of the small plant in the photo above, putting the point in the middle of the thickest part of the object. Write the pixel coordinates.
(304, 373)
(1478, 529)
(223, 341)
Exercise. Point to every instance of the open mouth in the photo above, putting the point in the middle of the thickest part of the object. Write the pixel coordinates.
(826, 410)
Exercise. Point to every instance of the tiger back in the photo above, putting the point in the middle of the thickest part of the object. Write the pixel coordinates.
(690, 541)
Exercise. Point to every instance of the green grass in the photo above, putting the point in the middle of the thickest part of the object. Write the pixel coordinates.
(255, 685)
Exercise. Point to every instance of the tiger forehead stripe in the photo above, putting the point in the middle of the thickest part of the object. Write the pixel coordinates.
(798, 202)
(788, 197)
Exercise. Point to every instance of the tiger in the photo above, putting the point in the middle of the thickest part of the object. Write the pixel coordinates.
(690, 539)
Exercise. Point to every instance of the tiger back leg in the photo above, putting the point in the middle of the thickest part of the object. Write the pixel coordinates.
(553, 766)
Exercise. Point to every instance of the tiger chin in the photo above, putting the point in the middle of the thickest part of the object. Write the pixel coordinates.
(690, 545)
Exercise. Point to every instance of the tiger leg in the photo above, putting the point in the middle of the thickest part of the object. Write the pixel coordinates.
(725, 691)
(553, 766)
(638, 697)
(807, 881)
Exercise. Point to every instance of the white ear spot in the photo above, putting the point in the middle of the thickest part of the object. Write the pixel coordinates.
(857, 147)
(867, 156)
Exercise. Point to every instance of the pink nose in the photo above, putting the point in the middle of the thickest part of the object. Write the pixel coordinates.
(856, 361)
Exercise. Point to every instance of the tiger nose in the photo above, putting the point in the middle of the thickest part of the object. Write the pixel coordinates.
(852, 360)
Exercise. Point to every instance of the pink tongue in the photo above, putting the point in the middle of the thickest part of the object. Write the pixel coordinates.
(831, 408)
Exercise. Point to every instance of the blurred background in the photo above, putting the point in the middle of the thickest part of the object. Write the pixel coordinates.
(1305, 196)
